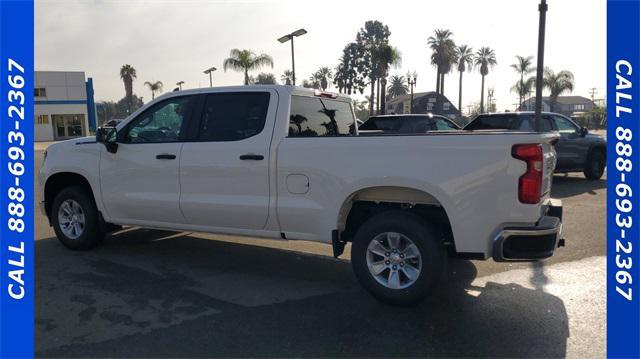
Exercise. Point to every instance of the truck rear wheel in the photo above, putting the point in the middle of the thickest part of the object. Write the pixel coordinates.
(595, 165)
(75, 219)
(398, 257)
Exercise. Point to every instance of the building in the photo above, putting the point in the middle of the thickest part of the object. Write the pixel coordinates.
(64, 106)
(423, 102)
(570, 106)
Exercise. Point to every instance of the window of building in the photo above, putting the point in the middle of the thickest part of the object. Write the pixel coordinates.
(320, 117)
(42, 119)
(233, 116)
(429, 106)
(40, 92)
(446, 106)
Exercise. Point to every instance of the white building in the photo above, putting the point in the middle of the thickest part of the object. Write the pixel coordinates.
(64, 105)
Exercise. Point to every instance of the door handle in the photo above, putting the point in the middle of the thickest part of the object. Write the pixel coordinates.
(250, 156)
(166, 156)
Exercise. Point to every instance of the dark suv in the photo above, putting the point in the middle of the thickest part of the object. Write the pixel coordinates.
(578, 150)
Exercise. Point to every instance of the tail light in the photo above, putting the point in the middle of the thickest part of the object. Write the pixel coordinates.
(530, 183)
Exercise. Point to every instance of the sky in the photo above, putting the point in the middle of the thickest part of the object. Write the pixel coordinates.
(171, 40)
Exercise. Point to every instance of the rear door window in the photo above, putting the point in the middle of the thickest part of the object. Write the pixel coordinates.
(496, 122)
(320, 117)
(233, 116)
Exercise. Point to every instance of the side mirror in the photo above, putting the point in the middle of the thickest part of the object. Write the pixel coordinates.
(583, 131)
(108, 137)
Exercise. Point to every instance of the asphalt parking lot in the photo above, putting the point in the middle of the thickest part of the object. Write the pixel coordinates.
(156, 294)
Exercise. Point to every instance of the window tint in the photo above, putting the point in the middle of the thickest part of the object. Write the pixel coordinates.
(161, 123)
(416, 124)
(313, 117)
(444, 125)
(563, 125)
(233, 116)
(495, 122)
(381, 124)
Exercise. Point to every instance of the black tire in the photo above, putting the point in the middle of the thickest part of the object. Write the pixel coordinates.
(595, 165)
(92, 233)
(425, 238)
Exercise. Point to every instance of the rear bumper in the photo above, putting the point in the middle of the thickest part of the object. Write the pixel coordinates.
(531, 243)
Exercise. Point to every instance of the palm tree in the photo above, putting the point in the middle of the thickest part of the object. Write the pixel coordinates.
(287, 77)
(387, 56)
(398, 86)
(523, 88)
(485, 59)
(323, 76)
(128, 74)
(557, 84)
(154, 87)
(464, 58)
(523, 66)
(246, 60)
(443, 56)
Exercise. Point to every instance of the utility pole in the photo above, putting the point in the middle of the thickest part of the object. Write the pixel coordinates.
(593, 92)
(542, 8)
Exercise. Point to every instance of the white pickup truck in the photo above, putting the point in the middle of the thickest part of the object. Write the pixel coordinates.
(288, 163)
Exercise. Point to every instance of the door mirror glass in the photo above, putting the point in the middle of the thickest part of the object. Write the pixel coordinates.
(584, 131)
(108, 137)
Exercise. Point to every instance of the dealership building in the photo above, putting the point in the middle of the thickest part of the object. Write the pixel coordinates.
(64, 105)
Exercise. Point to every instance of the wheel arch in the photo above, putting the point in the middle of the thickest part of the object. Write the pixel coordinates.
(58, 181)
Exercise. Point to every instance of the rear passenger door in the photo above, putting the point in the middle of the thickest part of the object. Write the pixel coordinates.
(224, 171)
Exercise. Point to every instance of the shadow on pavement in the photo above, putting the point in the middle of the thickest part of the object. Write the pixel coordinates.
(159, 294)
(569, 186)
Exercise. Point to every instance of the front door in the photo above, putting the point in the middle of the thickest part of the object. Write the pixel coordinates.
(224, 172)
(572, 146)
(140, 182)
(68, 126)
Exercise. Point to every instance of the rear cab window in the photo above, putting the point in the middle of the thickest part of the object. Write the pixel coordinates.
(320, 117)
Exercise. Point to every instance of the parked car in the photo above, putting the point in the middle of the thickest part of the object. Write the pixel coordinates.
(418, 123)
(577, 149)
(286, 163)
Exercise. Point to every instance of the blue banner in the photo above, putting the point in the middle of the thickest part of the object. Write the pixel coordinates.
(623, 180)
(16, 184)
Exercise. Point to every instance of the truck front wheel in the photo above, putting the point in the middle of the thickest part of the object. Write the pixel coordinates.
(75, 218)
(398, 257)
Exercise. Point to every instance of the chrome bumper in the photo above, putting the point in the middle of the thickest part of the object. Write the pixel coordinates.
(531, 243)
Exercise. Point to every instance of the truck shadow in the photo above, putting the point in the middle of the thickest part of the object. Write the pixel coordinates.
(569, 186)
(161, 294)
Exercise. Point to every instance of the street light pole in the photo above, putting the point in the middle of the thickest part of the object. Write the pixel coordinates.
(179, 83)
(542, 8)
(289, 37)
(411, 80)
(209, 71)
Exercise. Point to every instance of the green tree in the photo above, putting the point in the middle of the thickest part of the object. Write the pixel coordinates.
(485, 59)
(522, 88)
(128, 74)
(443, 56)
(523, 66)
(323, 76)
(370, 37)
(557, 84)
(398, 86)
(387, 56)
(287, 77)
(351, 71)
(464, 58)
(265, 79)
(154, 87)
(245, 61)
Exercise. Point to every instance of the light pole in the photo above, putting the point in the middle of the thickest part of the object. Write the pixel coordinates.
(286, 38)
(542, 8)
(209, 71)
(179, 84)
(411, 80)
